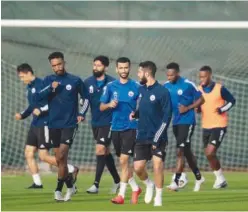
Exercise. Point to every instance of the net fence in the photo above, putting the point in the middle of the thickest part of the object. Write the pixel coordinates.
(225, 50)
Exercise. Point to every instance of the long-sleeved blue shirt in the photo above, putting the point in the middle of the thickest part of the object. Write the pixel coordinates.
(155, 111)
(63, 101)
(183, 92)
(95, 90)
(126, 95)
(32, 88)
(225, 94)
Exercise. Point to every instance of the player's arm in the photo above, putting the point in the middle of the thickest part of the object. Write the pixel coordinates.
(24, 114)
(230, 100)
(106, 104)
(84, 99)
(167, 114)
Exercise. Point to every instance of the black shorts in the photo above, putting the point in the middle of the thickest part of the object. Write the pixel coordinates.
(145, 151)
(62, 136)
(213, 136)
(102, 135)
(183, 134)
(39, 137)
(124, 141)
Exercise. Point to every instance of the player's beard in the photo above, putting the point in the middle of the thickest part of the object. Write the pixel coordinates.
(124, 75)
(143, 80)
(98, 74)
(60, 72)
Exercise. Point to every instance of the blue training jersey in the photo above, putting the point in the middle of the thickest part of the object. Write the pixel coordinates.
(183, 92)
(126, 95)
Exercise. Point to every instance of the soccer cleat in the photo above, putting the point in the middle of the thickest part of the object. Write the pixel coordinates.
(183, 181)
(34, 186)
(118, 200)
(69, 193)
(218, 184)
(198, 184)
(115, 188)
(92, 190)
(173, 186)
(157, 201)
(149, 193)
(135, 196)
(58, 196)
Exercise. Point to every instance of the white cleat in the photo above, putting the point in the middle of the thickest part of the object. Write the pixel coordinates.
(149, 193)
(183, 180)
(198, 184)
(69, 193)
(173, 186)
(58, 196)
(92, 190)
(157, 202)
(115, 188)
(218, 184)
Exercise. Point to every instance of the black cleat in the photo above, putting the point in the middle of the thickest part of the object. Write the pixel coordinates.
(34, 186)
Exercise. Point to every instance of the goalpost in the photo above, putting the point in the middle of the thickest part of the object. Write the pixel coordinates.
(221, 44)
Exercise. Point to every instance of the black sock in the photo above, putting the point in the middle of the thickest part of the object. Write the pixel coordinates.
(177, 177)
(110, 163)
(100, 163)
(60, 184)
(197, 173)
(68, 181)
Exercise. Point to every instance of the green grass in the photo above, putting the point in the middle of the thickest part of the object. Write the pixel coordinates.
(15, 197)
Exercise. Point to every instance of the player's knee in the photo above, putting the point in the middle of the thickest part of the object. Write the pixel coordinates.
(29, 154)
(209, 154)
(60, 158)
(43, 155)
(158, 167)
(180, 152)
(100, 150)
(138, 168)
(123, 161)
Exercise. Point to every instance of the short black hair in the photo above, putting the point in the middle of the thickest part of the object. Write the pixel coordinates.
(104, 60)
(24, 68)
(56, 55)
(206, 68)
(151, 66)
(123, 60)
(174, 66)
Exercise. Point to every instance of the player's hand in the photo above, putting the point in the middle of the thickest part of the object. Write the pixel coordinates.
(55, 84)
(154, 147)
(131, 116)
(113, 104)
(36, 112)
(80, 119)
(183, 109)
(218, 110)
(18, 116)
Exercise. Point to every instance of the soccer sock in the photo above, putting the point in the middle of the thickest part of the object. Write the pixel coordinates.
(219, 175)
(197, 173)
(177, 177)
(68, 181)
(100, 163)
(110, 163)
(147, 182)
(70, 168)
(158, 192)
(123, 188)
(60, 184)
(36, 179)
(133, 184)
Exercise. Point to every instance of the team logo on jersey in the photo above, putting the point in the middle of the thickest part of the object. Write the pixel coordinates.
(152, 98)
(33, 90)
(130, 93)
(180, 92)
(68, 87)
(91, 89)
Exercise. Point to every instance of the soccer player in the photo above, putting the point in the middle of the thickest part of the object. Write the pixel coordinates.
(218, 100)
(121, 97)
(154, 114)
(185, 97)
(62, 90)
(38, 135)
(100, 123)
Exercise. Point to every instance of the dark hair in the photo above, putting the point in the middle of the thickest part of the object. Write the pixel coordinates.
(206, 68)
(56, 55)
(104, 60)
(123, 60)
(174, 66)
(24, 68)
(151, 66)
